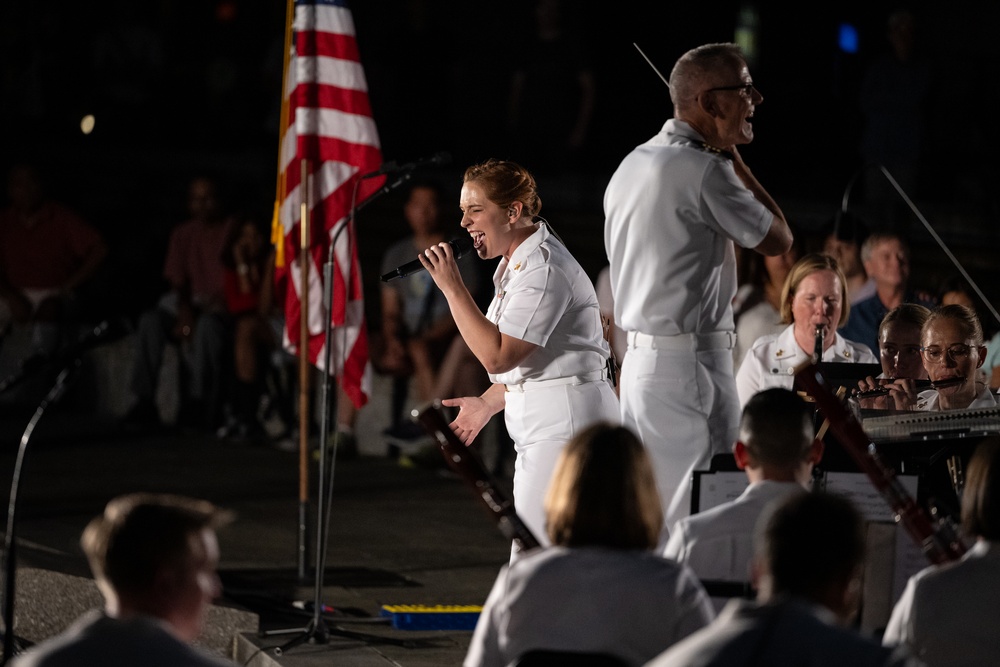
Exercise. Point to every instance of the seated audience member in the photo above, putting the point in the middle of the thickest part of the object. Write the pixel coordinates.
(599, 589)
(154, 559)
(808, 556)
(843, 243)
(899, 353)
(193, 311)
(757, 305)
(777, 451)
(886, 258)
(813, 299)
(991, 364)
(952, 349)
(418, 330)
(248, 279)
(948, 614)
(47, 254)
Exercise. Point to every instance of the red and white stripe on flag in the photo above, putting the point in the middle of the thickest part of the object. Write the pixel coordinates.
(329, 124)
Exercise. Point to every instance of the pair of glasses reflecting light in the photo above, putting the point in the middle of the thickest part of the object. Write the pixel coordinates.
(956, 353)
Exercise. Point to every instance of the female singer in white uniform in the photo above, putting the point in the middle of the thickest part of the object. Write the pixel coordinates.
(541, 341)
(814, 297)
(951, 344)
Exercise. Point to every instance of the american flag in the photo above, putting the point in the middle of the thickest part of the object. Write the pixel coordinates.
(326, 120)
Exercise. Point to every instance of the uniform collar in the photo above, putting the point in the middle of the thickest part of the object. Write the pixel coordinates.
(518, 258)
(787, 348)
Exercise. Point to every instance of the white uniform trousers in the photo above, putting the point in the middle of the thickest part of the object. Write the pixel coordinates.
(541, 421)
(683, 405)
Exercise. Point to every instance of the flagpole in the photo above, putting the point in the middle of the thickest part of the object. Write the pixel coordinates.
(304, 260)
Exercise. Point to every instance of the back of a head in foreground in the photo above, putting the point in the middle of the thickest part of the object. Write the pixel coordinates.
(603, 492)
(981, 497)
(140, 535)
(777, 428)
(810, 546)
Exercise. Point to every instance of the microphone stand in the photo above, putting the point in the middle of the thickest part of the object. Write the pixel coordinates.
(10, 560)
(317, 631)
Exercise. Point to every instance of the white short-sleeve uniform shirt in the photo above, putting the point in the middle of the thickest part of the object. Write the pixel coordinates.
(772, 360)
(673, 211)
(543, 296)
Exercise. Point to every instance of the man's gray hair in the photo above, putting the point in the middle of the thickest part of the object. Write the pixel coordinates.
(694, 67)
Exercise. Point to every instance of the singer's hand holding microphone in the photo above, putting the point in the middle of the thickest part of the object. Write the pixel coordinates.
(459, 247)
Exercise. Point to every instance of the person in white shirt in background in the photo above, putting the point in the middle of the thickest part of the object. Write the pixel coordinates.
(777, 450)
(949, 614)
(899, 353)
(813, 300)
(808, 564)
(952, 348)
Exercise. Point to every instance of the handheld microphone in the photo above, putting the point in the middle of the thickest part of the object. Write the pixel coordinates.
(392, 167)
(459, 247)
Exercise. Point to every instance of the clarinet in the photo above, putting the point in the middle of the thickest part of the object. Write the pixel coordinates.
(470, 467)
(938, 540)
(818, 348)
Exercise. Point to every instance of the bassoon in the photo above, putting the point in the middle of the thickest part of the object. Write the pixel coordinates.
(937, 539)
(467, 463)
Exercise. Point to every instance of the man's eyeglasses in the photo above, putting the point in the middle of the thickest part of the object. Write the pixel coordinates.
(956, 353)
(747, 88)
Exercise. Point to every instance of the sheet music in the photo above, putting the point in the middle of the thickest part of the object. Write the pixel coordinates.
(716, 488)
(859, 490)
(910, 559)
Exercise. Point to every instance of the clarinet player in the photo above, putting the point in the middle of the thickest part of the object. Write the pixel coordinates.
(813, 304)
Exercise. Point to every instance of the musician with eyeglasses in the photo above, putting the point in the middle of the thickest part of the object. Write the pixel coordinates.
(951, 346)
(675, 209)
(902, 364)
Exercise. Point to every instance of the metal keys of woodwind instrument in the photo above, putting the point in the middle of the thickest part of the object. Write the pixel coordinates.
(883, 390)
(818, 349)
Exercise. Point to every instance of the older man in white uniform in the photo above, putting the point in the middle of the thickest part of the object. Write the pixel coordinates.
(777, 451)
(674, 209)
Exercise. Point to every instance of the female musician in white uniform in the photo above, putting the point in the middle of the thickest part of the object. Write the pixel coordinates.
(814, 298)
(951, 344)
(948, 614)
(601, 589)
(899, 352)
(541, 341)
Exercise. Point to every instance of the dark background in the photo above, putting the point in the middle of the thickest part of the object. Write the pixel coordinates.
(185, 87)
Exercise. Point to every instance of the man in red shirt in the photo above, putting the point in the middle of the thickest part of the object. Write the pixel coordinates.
(193, 313)
(46, 253)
